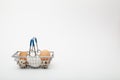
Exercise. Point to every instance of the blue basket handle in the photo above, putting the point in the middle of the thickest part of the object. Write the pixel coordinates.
(33, 45)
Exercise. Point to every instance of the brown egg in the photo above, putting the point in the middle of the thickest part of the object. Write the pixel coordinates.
(45, 55)
(22, 59)
(23, 55)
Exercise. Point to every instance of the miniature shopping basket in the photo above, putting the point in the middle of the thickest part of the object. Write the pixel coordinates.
(33, 58)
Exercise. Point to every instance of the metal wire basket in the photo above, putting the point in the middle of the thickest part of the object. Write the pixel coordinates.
(32, 58)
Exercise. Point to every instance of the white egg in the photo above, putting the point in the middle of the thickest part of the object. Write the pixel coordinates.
(34, 61)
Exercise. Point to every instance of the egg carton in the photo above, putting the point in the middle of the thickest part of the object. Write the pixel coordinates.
(32, 58)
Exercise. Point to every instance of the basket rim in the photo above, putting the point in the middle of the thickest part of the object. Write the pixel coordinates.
(15, 55)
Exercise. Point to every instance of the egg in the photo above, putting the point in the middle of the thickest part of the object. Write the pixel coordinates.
(23, 55)
(45, 55)
(34, 61)
(45, 58)
(22, 59)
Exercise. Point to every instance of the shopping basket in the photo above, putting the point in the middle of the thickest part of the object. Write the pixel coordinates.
(33, 58)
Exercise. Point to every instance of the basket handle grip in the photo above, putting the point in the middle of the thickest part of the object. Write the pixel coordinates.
(33, 45)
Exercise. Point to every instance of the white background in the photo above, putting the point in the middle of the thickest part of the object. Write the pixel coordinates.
(84, 34)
